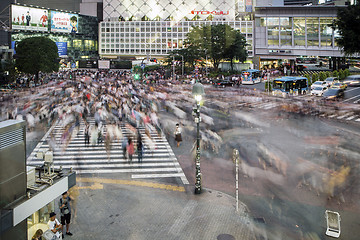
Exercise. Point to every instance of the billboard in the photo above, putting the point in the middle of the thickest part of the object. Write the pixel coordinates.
(64, 22)
(104, 64)
(62, 48)
(28, 18)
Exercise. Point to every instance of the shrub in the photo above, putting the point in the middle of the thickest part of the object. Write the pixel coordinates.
(335, 74)
(315, 77)
(322, 76)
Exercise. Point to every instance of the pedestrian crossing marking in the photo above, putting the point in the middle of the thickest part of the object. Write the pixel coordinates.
(158, 160)
(350, 118)
(343, 116)
(132, 183)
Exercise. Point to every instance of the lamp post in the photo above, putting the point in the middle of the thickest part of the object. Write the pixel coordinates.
(198, 92)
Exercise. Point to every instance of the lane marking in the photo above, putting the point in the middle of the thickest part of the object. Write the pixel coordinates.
(345, 115)
(349, 118)
(352, 89)
(357, 96)
(132, 183)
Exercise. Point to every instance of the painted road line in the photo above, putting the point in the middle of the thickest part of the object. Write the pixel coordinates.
(165, 175)
(131, 183)
(352, 89)
(352, 117)
(322, 115)
(112, 164)
(332, 116)
(130, 170)
(357, 120)
(349, 99)
(345, 115)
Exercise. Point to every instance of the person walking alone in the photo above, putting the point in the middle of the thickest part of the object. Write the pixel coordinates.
(139, 148)
(87, 135)
(177, 133)
(130, 149)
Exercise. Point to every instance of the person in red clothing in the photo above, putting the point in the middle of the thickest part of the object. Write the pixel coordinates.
(130, 149)
(44, 19)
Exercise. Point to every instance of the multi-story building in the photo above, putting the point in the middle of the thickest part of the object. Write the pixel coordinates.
(156, 27)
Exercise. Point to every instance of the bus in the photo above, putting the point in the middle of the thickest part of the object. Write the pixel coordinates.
(290, 85)
(250, 76)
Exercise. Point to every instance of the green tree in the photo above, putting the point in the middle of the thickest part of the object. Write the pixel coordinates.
(335, 74)
(322, 76)
(308, 79)
(347, 72)
(341, 74)
(315, 77)
(348, 26)
(328, 74)
(217, 42)
(37, 54)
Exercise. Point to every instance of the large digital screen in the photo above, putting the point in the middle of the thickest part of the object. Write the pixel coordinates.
(28, 18)
(64, 22)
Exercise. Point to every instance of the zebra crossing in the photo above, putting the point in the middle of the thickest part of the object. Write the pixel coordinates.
(159, 161)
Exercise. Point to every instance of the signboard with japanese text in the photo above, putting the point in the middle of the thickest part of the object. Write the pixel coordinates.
(64, 22)
(28, 18)
(62, 48)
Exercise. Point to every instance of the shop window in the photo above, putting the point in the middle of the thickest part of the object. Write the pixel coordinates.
(77, 44)
(39, 219)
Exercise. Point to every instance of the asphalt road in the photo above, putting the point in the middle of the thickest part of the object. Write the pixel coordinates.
(293, 167)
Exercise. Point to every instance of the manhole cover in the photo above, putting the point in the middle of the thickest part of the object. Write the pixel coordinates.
(225, 237)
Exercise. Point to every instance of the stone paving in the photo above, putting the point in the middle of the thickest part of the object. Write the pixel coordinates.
(136, 211)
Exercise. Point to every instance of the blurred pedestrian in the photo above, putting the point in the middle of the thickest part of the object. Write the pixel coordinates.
(139, 148)
(124, 145)
(130, 149)
(177, 134)
(87, 135)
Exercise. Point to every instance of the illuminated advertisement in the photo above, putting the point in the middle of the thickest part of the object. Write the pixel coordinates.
(64, 22)
(28, 18)
(62, 48)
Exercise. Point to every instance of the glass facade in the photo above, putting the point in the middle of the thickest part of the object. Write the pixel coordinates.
(299, 31)
(312, 26)
(156, 37)
(273, 31)
(326, 32)
(286, 31)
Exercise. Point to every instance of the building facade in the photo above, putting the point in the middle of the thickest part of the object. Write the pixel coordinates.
(292, 31)
(76, 35)
(156, 27)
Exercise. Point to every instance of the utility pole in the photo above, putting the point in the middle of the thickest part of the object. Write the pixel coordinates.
(236, 160)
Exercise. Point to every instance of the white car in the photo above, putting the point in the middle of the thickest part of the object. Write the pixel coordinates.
(319, 84)
(318, 91)
(330, 80)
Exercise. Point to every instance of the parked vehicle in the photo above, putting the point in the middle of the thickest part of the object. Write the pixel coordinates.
(318, 91)
(333, 93)
(352, 81)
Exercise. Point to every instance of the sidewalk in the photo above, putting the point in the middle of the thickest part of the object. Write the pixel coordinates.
(131, 211)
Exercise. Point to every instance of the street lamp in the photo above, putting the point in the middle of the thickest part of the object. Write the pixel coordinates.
(198, 92)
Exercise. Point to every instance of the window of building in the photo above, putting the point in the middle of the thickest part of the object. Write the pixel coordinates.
(273, 31)
(326, 32)
(286, 31)
(77, 44)
(312, 26)
(299, 31)
(89, 45)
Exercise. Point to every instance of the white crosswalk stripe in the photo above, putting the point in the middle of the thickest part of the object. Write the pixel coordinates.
(350, 118)
(159, 161)
(345, 115)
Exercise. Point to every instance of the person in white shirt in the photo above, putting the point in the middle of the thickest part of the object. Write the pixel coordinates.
(54, 225)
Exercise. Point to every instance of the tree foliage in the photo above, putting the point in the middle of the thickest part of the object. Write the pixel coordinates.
(218, 42)
(348, 26)
(37, 54)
